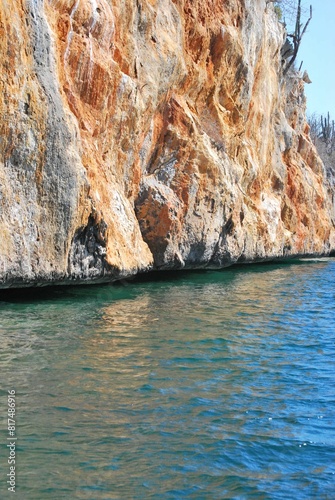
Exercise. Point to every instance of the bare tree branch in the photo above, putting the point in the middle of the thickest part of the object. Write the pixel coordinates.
(297, 36)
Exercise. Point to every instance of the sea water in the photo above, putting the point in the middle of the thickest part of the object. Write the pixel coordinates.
(200, 385)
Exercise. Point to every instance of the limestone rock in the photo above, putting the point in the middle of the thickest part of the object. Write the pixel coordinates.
(306, 77)
(151, 134)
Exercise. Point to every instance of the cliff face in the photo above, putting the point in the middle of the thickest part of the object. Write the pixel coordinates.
(151, 134)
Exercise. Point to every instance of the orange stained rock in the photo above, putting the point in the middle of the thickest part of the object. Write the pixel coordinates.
(148, 133)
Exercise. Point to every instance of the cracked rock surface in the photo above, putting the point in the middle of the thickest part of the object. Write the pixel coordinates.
(151, 134)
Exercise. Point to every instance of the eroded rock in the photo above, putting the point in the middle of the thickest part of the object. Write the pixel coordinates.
(151, 134)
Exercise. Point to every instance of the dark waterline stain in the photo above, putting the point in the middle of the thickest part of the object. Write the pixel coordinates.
(45, 293)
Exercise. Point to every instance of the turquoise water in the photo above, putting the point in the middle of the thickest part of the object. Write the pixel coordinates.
(200, 385)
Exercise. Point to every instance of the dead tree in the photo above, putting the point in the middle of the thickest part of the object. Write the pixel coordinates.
(296, 37)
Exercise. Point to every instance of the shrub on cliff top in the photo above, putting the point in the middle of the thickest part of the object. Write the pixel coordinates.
(279, 12)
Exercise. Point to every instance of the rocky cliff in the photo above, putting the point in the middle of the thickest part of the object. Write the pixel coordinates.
(151, 134)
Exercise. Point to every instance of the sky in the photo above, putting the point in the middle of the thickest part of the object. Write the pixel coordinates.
(317, 51)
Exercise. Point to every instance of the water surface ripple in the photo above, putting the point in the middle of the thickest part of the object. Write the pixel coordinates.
(202, 385)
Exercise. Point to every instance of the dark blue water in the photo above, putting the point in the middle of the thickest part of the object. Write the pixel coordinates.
(208, 385)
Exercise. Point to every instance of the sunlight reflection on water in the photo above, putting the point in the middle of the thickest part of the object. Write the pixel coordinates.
(204, 385)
